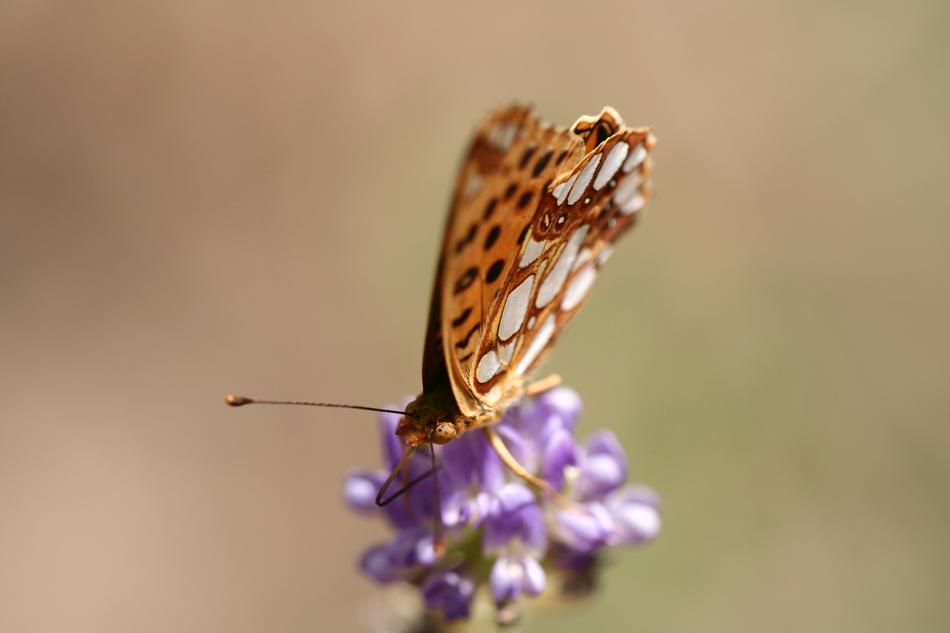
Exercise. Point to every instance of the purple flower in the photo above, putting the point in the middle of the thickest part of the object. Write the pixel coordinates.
(450, 593)
(559, 453)
(585, 529)
(636, 514)
(603, 466)
(500, 532)
(400, 558)
(513, 575)
(514, 513)
(359, 490)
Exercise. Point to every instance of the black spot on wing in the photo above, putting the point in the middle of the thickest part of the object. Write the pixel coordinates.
(525, 199)
(466, 280)
(464, 342)
(490, 208)
(492, 236)
(494, 271)
(542, 163)
(526, 158)
(467, 239)
(462, 318)
(523, 234)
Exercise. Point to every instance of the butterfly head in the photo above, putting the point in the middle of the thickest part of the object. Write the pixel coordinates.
(424, 424)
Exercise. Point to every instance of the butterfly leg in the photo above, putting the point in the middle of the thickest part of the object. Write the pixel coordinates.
(538, 484)
(545, 384)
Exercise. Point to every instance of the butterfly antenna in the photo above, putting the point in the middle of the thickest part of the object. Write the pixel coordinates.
(438, 537)
(239, 401)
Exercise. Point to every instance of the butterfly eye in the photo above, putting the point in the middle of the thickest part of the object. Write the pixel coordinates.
(444, 432)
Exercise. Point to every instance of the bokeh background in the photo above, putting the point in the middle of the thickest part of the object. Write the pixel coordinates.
(204, 197)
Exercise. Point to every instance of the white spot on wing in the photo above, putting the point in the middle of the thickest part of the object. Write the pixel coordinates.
(560, 192)
(604, 254)
(583, 179)
(473, 185)
(502, 136)
(555, 279)
(531, 321)
(488, 366)
(513, 134)
(545, 332)
(516, 307)
(634, 204)
(577, 289)
(627, 189)
(611, 165)
(493, 135)
(636, 157)
(582, 258)
(531, 251)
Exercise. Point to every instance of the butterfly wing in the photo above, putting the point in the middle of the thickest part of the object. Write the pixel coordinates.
(470, 208)
(534, 214)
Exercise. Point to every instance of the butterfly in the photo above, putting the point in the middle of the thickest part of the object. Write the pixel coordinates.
(535, 213)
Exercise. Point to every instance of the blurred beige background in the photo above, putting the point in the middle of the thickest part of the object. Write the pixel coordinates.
(198, 198)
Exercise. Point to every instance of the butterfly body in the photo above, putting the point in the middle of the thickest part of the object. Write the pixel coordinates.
(535, 212)
(430, 419)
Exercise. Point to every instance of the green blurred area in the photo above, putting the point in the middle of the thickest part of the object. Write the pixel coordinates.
(199, 198)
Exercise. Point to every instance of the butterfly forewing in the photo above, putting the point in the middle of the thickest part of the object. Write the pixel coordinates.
(534, 214)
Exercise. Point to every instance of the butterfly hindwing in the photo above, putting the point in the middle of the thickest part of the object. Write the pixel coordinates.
(534, 214)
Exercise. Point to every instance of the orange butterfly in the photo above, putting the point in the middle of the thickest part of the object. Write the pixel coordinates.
(535, 213)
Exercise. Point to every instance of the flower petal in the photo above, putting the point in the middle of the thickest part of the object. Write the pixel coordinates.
(534, 577)
(560, 451)
(405, 555)
(636, 515)
(603, 466)
(461, 460)
(377, 563)
(513, 575)
(514, 513)
(504, 580)
(563, 402)
(424, 551)
(525, 448)
(360, 488)
(583, 531)
(449, 592)
(513, 497)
